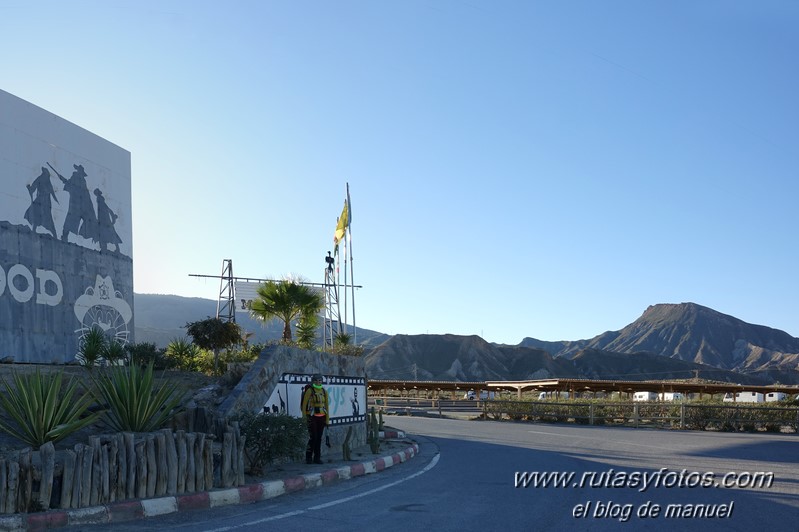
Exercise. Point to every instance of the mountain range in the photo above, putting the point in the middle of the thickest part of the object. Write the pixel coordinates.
(668, 341)
(161, 318)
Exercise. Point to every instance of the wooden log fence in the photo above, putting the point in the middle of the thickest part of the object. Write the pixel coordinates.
(124, 466)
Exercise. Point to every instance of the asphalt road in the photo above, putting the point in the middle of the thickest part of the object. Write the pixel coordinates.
(467, 473)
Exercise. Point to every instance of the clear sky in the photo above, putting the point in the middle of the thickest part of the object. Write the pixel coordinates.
(516, 168)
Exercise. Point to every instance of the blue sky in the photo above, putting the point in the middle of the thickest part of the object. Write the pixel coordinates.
(516, 168)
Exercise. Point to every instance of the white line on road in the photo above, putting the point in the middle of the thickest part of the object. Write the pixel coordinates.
(427, 468)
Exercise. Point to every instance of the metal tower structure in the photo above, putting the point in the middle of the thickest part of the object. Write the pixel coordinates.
(226, 304)
(332, 322)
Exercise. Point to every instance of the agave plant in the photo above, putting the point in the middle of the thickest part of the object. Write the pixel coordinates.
(92, 347)
(114, 353)
(41, 413)
(133, 403)
(183, 354)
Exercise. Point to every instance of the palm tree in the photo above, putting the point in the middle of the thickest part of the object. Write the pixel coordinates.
(306, 330)
(285, 300)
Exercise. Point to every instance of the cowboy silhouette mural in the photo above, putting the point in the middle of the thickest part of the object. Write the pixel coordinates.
(81, 218)
(106, 218)
(40, 212)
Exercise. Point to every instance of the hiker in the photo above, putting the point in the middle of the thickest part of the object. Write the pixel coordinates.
(315, 408)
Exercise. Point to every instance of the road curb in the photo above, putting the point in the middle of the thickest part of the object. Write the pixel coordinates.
(140, 509)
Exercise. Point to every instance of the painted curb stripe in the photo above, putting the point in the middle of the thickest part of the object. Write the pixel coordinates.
(251, 493)
(273, 488)
(344, 473)
(44, 521)
(195, 501)
(127, 511)
(164, 505)
(329, 476)
(294, 484)
(88, 516)
(314, 480)
(224, 497)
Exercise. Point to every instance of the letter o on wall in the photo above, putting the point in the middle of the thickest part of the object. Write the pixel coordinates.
(18, 270)
(43, 297)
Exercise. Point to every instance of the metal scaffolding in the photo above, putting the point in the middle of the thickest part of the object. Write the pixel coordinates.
(332, 326)
(226, 303)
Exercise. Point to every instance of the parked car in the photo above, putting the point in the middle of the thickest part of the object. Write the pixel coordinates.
(484, 395)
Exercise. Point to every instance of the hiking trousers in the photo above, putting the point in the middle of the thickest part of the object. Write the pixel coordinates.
(316, 428)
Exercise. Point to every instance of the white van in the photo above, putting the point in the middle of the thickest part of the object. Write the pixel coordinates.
(645, 396)
(671, 396)
(775, 396)
(744, 397)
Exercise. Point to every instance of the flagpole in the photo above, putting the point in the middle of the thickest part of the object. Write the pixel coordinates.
(337, 284)
(352, 267)
(346, 316)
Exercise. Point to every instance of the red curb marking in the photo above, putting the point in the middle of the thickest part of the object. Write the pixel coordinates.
(43, 521)
(396, 457)
(195, 501)
(357, 470)
(251, 493)
(294, 484)
(329, 476)
(380, 464)
(125, 511)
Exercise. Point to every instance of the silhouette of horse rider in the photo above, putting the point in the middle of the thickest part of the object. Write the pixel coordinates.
(80, 218)
(40, 210)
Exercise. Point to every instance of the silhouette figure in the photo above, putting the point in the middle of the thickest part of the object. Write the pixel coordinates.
(80, 218)
(106, 218)
(40, 210)
(282, 403)
(275, 409)
(356, 407)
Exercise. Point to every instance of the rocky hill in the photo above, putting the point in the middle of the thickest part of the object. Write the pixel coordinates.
(694, 333)
(451, 357)
(161, 318)
(470, 358)
(668, 341)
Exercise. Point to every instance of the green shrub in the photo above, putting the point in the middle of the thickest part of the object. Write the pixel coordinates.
(114, 352)
(184, 355)
(40, 411)
(271, 438)
(134, 405)
(143, 353)
(699, 415)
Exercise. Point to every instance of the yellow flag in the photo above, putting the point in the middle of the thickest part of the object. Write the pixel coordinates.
(341, 228)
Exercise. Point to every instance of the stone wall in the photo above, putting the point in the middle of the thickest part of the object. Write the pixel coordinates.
(261, 380)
